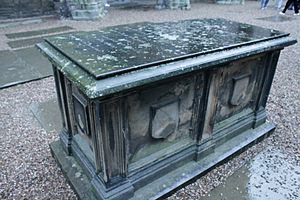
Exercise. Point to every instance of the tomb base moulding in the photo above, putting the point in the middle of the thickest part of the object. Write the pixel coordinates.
(147, 107)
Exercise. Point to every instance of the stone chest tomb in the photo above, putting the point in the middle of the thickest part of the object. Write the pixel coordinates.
(146, 107)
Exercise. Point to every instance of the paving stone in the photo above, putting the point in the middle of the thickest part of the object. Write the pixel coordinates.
(38, 32)
(25, 42)
(33, 57)
(276, 18)
(48, 115)
(22, 66)
(14, 70)
(18, 23)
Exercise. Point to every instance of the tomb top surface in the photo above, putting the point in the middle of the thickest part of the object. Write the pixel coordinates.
(120, 49)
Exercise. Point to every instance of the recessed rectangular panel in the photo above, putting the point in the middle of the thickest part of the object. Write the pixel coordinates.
(164, 119)
(239, 89)
(81, 114)
(160, 117)
(238, 86)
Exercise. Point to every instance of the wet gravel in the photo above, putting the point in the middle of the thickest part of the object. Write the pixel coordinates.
(273, 175)
(27, 169)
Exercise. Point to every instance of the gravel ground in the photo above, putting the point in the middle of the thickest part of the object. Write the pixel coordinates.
(27, 170)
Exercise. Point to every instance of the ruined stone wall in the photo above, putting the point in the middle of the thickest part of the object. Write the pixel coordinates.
(10, 9)
(86, 9)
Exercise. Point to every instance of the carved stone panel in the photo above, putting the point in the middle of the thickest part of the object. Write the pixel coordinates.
(82, 125)
(81, 115)
(238, 87)
(164, 120)
(159, 116)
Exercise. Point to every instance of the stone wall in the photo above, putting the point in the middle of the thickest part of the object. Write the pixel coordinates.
(173, 4)
(25, 8)
(86, 9)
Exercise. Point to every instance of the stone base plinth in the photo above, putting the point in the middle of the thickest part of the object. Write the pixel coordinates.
(166, 183)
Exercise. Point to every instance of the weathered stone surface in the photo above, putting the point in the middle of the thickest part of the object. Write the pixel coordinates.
(164, 121)
(38, 32)
(48, 114)
(240, 85)
(203, 95)
(141, 46)
(127, 48)
(86, 9)
(174, 4)
(277, 18)
(22, 66)
(25, 8)
(161, 112)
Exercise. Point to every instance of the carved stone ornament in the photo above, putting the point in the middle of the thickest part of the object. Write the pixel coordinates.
(239, 90)
(165, 120)
(80, 109)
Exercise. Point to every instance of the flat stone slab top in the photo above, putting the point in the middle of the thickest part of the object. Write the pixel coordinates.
(48, 115)
(26, 42)
(32, 57)
(121, 49)
(276, 18)
(20, 22)
(38, 32)
(22, 66)
(123, 57)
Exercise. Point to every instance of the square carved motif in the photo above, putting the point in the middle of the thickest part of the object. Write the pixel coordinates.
(81, 115)
(239, 90)
(164, 120)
